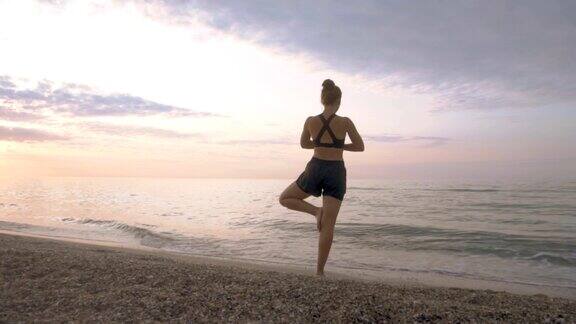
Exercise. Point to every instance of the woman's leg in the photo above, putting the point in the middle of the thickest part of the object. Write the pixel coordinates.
(293, 198)
(330, 209)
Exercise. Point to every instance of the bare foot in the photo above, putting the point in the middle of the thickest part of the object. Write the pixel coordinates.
(319, 219)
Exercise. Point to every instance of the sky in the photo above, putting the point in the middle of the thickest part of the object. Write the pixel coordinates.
(152, 88)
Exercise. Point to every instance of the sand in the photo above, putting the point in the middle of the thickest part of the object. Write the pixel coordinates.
(49, 280)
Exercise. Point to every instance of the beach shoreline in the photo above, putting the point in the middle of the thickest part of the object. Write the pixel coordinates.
(389, 277)
(48, 279)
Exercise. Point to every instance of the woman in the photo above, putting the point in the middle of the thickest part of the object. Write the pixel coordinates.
(325, 174)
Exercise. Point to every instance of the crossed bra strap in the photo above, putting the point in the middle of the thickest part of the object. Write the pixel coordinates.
(337, 143)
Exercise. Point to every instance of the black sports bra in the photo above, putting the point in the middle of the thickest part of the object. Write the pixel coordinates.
(336, 142)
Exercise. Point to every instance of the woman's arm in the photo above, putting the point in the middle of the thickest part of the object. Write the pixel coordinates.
(305, 141)
(357, 144)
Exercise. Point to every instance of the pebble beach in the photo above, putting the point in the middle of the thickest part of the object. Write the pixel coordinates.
(49, 280)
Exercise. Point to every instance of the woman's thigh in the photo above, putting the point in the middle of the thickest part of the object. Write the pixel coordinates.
(294, 192)
(330, 210)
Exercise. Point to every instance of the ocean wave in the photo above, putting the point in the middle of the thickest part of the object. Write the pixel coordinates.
(147, 237)
(444, 240)
(427, 189)
(553, 259)
(470, 190)
(497, 205)
(463, 190)
(13, 226)
(523, 221)
(372, 235)
(274, 224)
(368, 188)
(8, 205)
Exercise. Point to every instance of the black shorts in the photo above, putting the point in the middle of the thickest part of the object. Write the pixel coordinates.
(323, 177)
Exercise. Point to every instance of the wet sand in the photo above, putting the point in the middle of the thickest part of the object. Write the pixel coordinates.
(49, 280)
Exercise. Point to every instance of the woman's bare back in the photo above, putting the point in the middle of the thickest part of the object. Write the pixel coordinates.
(338, 125)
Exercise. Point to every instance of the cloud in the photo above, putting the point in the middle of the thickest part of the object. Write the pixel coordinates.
(426, 140)
(6, 83)
(470, 54)
(80, 101)
(129, 130)
(16, 115)
(18, 134)
(259, 142)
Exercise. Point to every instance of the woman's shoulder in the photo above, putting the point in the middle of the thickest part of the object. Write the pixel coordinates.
(344, 119)
(338, 118)
(310, 118)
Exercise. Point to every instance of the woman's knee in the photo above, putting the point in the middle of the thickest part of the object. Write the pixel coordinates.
(326, 233)
(329, 218)
(329, 223)
(283, 200)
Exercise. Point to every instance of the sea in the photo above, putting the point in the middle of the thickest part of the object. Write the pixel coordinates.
(515, 232)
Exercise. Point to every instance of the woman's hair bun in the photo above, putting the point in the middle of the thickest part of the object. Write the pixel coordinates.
(331, 93)
(328, 84)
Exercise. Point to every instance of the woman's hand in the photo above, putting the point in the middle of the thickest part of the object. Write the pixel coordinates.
(305, 138)
(357, 144)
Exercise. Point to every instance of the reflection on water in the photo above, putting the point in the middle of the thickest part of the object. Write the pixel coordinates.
(517, 232)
